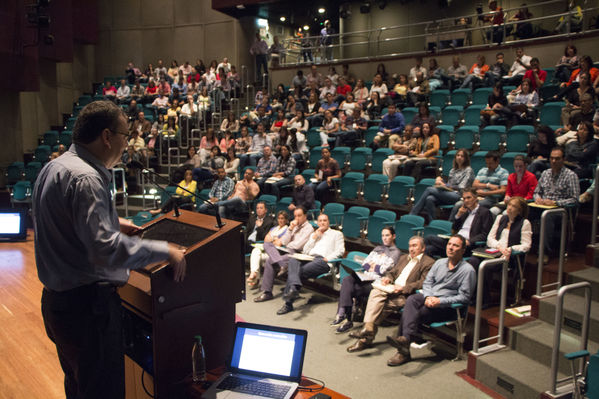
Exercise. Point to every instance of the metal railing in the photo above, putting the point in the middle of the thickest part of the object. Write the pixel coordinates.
(562, 249)
(386, 41)
(479, 305)
(122, 190)
(170, 158)
(557, 330)
(595, 208)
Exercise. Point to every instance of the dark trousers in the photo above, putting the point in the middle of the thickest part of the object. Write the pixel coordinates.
(350, 289)
(414, 313)
(85, 325)
(299, 271)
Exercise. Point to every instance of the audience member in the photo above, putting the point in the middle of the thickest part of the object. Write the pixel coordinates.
(450, 280)
(324, 245)
(456, 73)
(326, 170)
(392, 123)
(294, 239)
(258, 256)
(303, 195)
(401, 280)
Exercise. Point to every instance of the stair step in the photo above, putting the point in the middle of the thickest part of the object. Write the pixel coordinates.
(572, 312)
(513, 374)
(535, 340)
(591, 275)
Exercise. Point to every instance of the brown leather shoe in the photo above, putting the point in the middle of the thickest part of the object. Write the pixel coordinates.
(399, 343)
(364, 333)
(359, 345)
(398, 359)
(266, 296)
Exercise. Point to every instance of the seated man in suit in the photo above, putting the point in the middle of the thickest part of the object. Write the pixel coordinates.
(472, 221)
(258, 225)
(324, 244)
(450, 280)
(378, 262)
(294, 239)
(405, 278)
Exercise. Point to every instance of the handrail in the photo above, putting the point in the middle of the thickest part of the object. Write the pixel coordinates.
(557, 327)
(479, 305)
(431, 28)
(562, 248)
(175, 150)
(595, 207)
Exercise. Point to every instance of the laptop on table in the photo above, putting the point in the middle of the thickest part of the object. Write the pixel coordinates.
(266, 362)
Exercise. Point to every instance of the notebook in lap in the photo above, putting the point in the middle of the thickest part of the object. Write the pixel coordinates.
(266, 362)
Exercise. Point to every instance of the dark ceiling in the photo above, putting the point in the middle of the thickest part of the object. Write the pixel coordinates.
(297, 13)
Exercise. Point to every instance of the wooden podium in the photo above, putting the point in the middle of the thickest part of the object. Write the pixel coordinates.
(161, 317)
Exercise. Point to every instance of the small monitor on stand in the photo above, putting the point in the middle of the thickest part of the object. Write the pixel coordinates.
(13, 224)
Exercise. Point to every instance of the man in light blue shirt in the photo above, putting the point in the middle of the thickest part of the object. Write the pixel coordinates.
(83, 253)
(450, 280)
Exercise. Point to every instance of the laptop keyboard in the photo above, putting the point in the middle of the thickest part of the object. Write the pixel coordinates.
(253, 387)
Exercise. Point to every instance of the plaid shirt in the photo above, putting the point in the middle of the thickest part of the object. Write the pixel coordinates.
(286, 167)
(266, 166)
(222, 189)
(564, 188)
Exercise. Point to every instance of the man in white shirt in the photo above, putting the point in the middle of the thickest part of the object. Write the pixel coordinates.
(324, 245)
(418, 68)
(123, 92)
(189, 109)
(224, 65)
(518, 69)
(328, 87)
(402, 280)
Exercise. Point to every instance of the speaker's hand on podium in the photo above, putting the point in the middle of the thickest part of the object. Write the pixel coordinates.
(176, 258)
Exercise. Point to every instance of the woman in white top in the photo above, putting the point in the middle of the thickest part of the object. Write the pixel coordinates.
(379, 86)
(348, 104)
(330, 126)
(258, 256)
(360, 92)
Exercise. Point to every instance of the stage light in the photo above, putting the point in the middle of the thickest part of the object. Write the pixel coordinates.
(321, 10)
(306, 27)
(283, 19)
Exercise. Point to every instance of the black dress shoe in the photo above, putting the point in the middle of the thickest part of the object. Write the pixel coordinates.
(266, 296)
(338, 320)
(291, 295)
(400, 343)
(285, 309)
(347, 325)
(360, 345)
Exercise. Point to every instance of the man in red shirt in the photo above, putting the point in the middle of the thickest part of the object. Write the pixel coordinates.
(343, 88)
(536, 75)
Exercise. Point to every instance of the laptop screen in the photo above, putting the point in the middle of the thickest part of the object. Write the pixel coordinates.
(268, 351)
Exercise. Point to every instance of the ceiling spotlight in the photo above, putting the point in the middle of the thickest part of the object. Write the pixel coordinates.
(240, 7)
(283, 19)
(365, 7)
(321, 10)
(306, 27)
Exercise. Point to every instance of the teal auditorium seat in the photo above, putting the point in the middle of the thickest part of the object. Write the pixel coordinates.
(50, 138)
(421, 186)
(445, 136)
(370, 135)
(460, 97)
(448, 162)
(42, 153)
(481, 95)
(409, 113)
(341, 155)
(65, 138)
(518, 137)
(14, 172)
(378, 157)
(452, 114)
(335, 212)
(315, 155)
(490, 140)
(465, 137)
(32, 170)
(375, 187)
(283, 204)
(380, 219)
(437, 226)
(400, 190)
(472, 115)
(403, 232)
(360, 158)
(477, 161)
(354, 220)
(308, 174)
(351, 184)
(439, 98)
(551, 113)
(21, 192)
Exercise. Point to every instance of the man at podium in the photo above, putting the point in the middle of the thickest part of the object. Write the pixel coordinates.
(83, 254)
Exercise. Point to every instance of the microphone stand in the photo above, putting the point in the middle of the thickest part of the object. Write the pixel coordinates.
(139, 165)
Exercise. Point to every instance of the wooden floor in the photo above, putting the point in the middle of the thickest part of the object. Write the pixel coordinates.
(29, 367)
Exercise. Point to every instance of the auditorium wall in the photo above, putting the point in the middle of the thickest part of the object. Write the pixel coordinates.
(142, 31)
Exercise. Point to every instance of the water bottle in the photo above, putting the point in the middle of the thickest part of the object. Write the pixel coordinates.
(198, 361)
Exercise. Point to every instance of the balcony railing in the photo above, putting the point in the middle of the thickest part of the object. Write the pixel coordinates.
(469, 31)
